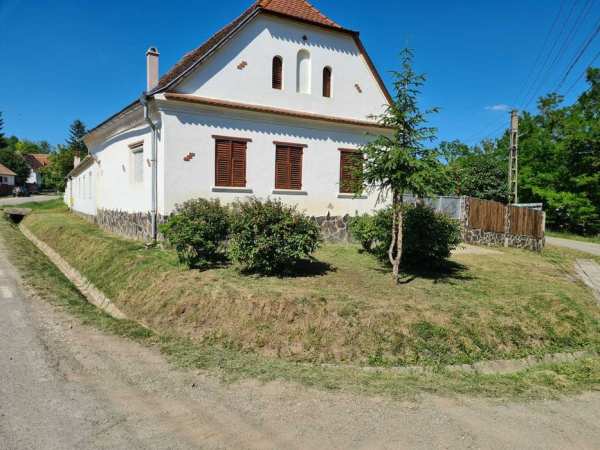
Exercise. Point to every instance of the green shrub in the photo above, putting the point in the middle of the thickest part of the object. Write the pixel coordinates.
(428, 238)
(269, 237)
(197, 231)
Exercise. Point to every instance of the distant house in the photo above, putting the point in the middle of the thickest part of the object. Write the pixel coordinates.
(7, 180)
(36, 162)
(276, 104)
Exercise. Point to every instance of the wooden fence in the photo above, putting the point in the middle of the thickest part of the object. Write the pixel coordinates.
(496, 217)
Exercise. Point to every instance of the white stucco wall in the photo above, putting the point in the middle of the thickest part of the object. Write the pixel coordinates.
(8, 180)
(81, 191)
(265, 37)
(116, 186)
(34, 178)
(190, 130)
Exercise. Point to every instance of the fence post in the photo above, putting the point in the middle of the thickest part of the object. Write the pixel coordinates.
(506, 224)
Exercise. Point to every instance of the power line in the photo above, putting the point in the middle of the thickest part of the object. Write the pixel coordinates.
(539, 55)
(534, 88)
(579, 55)
(568, 91)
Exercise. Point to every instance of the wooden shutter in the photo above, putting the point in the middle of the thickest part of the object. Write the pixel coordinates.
(326, 82)
(230, 163)
(222, 163)
(288, 167)
(277, 73)
(350, 166)
(238, 164)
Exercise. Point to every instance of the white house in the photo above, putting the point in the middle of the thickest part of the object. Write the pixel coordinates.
(36, 162)
(275, 105)
(7, 180)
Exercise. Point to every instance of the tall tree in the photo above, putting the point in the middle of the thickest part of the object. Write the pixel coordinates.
(75, 142)
(15, 162)
(398, 162)
(2, 140)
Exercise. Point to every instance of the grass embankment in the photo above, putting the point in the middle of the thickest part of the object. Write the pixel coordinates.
(539, 382)
(575, 237)
(344, 307)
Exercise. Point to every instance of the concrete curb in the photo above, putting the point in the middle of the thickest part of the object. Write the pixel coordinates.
(90, 292)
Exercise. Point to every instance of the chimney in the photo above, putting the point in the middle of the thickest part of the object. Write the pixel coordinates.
(151, 68)
(76, 159)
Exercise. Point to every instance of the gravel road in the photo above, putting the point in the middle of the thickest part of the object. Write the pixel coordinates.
(67, 386)
(587, 247)
(13, 201)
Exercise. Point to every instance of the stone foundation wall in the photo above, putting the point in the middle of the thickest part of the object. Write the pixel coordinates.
(334, 228)
(493, 239)
(132, 225)
(138, 225)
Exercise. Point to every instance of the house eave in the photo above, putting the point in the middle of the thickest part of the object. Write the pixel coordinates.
(278, 112)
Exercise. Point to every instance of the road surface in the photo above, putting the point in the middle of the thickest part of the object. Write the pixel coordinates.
(67, 386)
(11, 201)
(587, 247)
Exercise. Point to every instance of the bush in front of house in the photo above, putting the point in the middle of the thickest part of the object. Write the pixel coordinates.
(269, 237)
(197, 231)
(428, 237)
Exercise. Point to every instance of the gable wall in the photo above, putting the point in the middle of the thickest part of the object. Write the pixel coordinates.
(265, 37)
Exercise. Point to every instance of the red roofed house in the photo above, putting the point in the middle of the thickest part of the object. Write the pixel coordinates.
(275, 104)
(36, 162)
(7, 180)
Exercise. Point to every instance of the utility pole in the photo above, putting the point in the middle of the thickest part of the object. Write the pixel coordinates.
(513, 162)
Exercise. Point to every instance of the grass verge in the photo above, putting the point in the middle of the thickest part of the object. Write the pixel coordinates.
(343, 307)
(539, 382)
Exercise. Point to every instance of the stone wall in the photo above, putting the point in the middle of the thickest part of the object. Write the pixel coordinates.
(334, 228)
(492, 239)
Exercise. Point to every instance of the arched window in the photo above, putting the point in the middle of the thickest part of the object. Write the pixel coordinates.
(327, 82)
(277, 73)
(303, 75)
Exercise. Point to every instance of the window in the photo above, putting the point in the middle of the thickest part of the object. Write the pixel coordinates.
(303, 72)
(137, 162)
(327, 82)
(4, 180)
(277, 79)
(350, 171)
(288, 167)
(230, 162)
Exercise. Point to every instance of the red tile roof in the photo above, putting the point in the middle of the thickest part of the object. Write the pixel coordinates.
(6, 171)
(300, 9)
(37, 160)
(297, 9)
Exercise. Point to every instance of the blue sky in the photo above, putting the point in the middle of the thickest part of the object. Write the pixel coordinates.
(63, 60)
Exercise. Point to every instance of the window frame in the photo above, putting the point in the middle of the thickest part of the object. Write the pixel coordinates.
(289, 147)
(231, 183)
(137, 148)
(354, 153)
(327, 83)
(273, 73)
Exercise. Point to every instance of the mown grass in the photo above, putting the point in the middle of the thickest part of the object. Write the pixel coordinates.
(573, 236)
(344, 307)
(231, 365)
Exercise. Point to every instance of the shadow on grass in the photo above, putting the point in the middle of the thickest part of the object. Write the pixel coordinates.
(446, 272)
(304, 268)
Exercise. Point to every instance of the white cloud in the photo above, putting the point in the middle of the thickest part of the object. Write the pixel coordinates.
(499, 107)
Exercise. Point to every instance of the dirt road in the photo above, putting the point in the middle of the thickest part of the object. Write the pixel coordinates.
(67, 386)
(13, 201)
(587, 247)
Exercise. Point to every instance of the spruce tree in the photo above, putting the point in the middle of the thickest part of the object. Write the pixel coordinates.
(397, 162)
(75, 141)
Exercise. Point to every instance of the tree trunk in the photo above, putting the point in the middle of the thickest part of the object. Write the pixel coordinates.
(395, 250)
